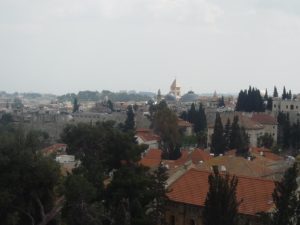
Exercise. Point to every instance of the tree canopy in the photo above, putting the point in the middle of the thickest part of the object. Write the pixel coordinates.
(218, 140)
(250, 101)
(28, 181)
(165, 124)
(221, 205)
(109, 186)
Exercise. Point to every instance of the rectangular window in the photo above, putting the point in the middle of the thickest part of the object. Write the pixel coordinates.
(172, 220)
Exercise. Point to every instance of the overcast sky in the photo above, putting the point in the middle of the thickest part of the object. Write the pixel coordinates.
(61, 46)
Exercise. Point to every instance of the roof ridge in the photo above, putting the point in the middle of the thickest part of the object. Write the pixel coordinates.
(238, 176)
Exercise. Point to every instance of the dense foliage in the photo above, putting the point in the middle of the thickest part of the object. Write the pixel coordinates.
(165, 124)
(109, 186)
(221, 205)
(218, 141)
(198, 119)
(288, 134)
(29, 181)
(286, 198)
(250, 101)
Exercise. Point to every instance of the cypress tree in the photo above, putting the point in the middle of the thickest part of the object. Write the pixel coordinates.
(290, 95)
(129, 122)
(266, 95)
(275, 93)
(243, 147)
(218, 141)
(159, 191)
(250, 101)
(202, 119)
(286, 199)
(75, 105)
(221, 205)
(192, 114)
(239, 139)
(269, 104)
(221, 102)
(227, 133)
(234, 140)
(284, 94)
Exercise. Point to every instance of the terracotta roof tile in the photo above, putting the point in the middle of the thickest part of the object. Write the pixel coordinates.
(192, 187)
(53, 149)
(264, 119)
(153, 154)
(147, 135)
(152, 158)
(236, 166)
(200, 155)
(244, 121)
(183, 123)
(267, 154)
(152, 163)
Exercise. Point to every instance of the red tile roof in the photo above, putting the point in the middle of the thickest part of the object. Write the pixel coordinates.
(153, 154)
(267, 153)
(152, 163)
(53, 149)
(152, 158)
(183, 123)
(192, 187)
(244, 121)
(264, 119)
(237, 166)
(147, 135)
(200, 155)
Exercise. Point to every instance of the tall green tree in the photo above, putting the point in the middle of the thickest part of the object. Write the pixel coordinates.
(129, 122)
(286, 199)
(202, 119)
(284, 94)
(75, 105)
(284, 130)
(266, 141)
(110, 105)
(108, 155)
(192, 114)
(218, 140)
(165, 125)
(221, 102)
(82, 203)
(243, 148)
(159, 190)
(227, 134)
(266, 96)
(28, 182)
(275, 92)
(129, 195)
(235, 138)
(239, 139)
(250, 101)
(269, 104)
(221, 204)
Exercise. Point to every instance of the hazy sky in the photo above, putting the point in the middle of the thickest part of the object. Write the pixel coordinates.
(61, 46)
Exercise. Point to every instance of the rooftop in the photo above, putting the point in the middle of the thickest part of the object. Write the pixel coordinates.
(192, 187)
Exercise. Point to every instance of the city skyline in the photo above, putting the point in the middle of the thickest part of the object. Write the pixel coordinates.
(67, 46)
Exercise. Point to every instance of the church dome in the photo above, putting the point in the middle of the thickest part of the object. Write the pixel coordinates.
(189, 97)
(170, 97)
